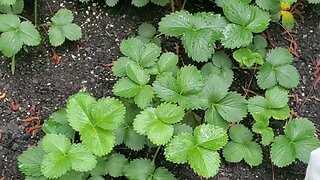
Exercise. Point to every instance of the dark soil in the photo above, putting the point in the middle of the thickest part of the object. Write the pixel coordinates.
(42, 86)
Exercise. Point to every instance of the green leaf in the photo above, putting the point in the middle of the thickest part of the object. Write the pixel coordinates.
(108, 113)
(81, 158)
(210, 137)
(299, 128)
(126, 88)
(157, 123)
(146, 30)
(71, 31)
(197, 46)
(213, 117)
(56, 36)
(139, 3)
(247, 57)
(240, 134)
(115, 164)
(160, 2)
(234, 152)
(282, 152)
(111, 3)
(232, 108)
(253, 155)
(58, 124)
(279, 56)
(131, 47)
(53, 143)
(259, 20)
(55, 164)
(30, 161)
(144, 97)
(10, 43)
(95, 121)
(167, 62)
(62, 17)
(9, 22)
(287, 76)
(29, 34)
(189, 80)
(159, 133)
(100, 168)
(287, 19)
(266, 76)
(169, 113)
(149, 55)
(182, 128)
(259, 45)
(98, 140)
(277, 97)
(236, 12)
(176, 24)
(119, 68)
(178, 148)
(137, 74)
(7, 2)
(162, 174)
(204, 162)
(139, 169)
(266, 5)
(235, 36)
(220, 65)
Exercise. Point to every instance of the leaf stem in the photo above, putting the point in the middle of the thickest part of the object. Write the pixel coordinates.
(36, 12)
(172, 5)
(156, 154)
(13, 64)
(24, 18)
(184, 4)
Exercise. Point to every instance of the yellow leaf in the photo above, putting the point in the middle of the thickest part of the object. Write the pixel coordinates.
(287, 19)
(285, 6)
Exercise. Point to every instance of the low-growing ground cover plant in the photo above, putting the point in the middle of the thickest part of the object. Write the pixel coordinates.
(155, 97)
(16, 34)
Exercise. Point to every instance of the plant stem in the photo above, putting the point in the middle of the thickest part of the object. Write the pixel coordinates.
(35, 12)
(13, 64)
(184, 4)
(24, 18)
(172, 5)
(155, 154)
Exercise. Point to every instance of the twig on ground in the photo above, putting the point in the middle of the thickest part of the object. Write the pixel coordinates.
(30, 119)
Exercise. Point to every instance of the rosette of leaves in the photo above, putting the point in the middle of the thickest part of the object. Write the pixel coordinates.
(147, 32)
(198, 149)
(62, 28)
(57, 158)
(242, 147)
(95, 121)
(198, 32)
(14, 8)
(15, 34)
(125, 133)
(261, 126)
(245, 20)
(274, 104)
(297, 142)
(58, 124)
(253, 54)
(185, 88)
(157, 123)
(138, 3)
(278, 70)
(145, 169)
(222, 106)
(220, 66)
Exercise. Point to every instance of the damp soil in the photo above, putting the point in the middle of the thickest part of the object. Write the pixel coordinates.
(42, 86)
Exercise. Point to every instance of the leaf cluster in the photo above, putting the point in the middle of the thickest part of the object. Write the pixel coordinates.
(137, 3)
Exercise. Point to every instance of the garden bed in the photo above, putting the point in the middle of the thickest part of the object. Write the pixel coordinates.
(42, 85)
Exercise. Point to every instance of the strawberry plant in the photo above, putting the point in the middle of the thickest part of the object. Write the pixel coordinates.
(297, 142)
(241, 147)
(278, 70)
(15, 34)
